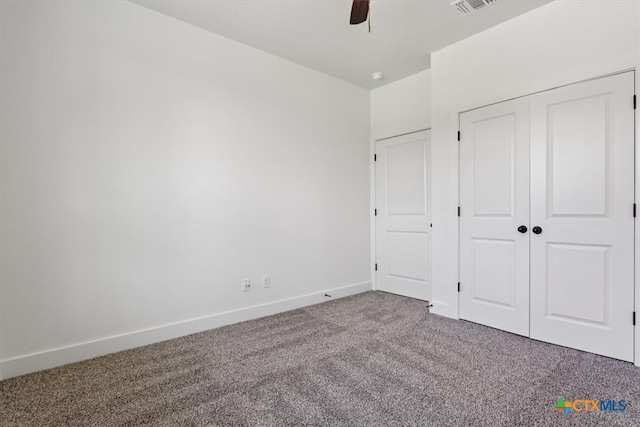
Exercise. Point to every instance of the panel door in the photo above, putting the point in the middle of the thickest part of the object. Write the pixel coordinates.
(403, 215)
(494, 203)
(582, 195)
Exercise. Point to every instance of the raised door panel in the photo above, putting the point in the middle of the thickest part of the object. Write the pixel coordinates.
(493, 271)
(493, 165)
(405, 179)
(579, 156)
(578, 283)
(407, 255)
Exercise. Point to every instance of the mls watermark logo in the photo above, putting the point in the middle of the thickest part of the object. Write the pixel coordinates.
(588, 405)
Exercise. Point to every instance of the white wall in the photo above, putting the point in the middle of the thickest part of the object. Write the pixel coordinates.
(560, 43)
(402, 106)
(147, 166)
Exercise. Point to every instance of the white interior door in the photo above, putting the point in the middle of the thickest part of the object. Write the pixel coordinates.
(403, 215)
(494, 216)
(582, 195)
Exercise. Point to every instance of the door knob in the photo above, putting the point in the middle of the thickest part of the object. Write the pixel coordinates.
(522, 229)
(536, 230)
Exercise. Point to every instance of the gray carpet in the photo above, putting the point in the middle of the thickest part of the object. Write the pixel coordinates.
(374, 359)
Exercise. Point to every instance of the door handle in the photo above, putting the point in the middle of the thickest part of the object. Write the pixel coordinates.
(522, 229)
(536, 230)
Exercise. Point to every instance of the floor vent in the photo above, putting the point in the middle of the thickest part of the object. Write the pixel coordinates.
(468, 7)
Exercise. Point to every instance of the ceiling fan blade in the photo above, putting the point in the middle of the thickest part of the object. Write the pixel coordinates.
(359, 11)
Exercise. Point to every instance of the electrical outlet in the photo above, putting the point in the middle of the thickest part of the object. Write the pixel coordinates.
(266, 281)
(246, 285)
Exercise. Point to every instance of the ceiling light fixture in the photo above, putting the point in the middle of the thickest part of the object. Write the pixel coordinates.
(377, 76)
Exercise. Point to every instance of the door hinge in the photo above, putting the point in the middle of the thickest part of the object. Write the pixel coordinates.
(634, 102)
(634, 210)
(376, 267)
(458, 135)
(634, 318)
(458, 210)
(375, 157)
(375, 212)
(458, 286)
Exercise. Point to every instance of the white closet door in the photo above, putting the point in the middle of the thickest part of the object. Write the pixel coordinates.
(494, 197)
(403, 217)
(582, 195)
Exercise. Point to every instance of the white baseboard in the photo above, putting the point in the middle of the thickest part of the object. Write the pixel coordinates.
(64, 355)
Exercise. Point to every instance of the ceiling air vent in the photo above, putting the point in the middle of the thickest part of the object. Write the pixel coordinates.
(468, 7)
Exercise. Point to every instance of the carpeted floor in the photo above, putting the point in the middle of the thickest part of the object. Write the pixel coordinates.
(373, 359)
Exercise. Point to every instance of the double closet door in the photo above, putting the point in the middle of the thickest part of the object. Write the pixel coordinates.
(547, 216)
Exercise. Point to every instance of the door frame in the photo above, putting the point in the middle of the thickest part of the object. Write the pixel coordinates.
(454, 311)
(372, 204)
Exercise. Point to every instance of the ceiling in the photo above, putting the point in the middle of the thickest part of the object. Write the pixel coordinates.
(317, 34)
